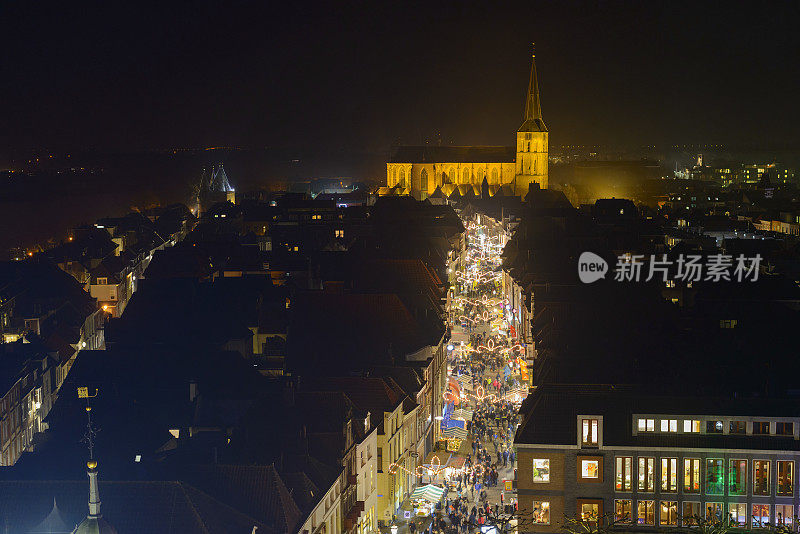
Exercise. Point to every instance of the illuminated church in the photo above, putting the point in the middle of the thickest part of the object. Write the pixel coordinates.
(459, 171)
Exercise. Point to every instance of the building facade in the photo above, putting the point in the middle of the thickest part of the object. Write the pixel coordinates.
(420, 171)
(601, 454)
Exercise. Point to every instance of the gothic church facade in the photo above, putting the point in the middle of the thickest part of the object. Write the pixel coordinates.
(423, 171)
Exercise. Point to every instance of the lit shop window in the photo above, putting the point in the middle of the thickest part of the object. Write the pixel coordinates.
(646, 512)
(691, 475)
(590, 469)
(785, 477)
(738, 513)
(691, 513)
(761, 516)
(691, 425)
(622, 510)
(647, 425)
(714, 511)
(737, 477)
(715, 476)
(647, 468)
(589, 432)
(541, 512)
(622, 473)
(784, 516)
(669, 425)
(668, 515)
(590, 510)
(669, 474)
(760, 477)
(541, 470)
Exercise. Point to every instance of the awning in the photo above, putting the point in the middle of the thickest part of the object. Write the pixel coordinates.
(454, 432)
(462, 413)
(431, 493)
(453, 421)
(465, 381)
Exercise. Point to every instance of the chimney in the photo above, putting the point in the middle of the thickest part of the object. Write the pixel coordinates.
(192, 390)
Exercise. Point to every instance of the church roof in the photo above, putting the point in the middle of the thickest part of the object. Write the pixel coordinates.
(132, 507)
(533, 110)
(52, 524)
(454, 154)
(219, 181)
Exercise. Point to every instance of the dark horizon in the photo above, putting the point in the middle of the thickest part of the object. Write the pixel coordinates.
(352, 77)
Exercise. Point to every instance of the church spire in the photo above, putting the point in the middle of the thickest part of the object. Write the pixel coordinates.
(533, 110)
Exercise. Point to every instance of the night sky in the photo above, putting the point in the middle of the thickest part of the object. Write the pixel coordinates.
(289, 75)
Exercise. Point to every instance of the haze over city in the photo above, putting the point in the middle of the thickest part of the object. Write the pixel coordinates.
(399, 268)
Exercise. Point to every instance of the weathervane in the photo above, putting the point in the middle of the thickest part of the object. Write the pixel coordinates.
(91, 431)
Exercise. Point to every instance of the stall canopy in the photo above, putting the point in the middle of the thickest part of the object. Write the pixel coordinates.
(454, 432)
(431, 493)
(465, 381)
(463, 413)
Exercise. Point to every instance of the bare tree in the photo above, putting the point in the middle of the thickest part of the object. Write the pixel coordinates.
(594, 524)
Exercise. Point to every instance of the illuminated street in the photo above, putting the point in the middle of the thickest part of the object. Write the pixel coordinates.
(487, 380)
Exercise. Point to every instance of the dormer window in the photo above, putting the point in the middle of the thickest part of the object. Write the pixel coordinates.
(589, 432)
(647, 425)
(102, 281)
(669, 425)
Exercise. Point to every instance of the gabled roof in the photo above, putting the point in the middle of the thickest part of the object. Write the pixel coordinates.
(256, 490)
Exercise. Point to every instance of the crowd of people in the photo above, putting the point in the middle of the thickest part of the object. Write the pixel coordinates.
(472, 497)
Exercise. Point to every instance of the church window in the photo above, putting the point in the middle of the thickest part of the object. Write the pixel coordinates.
(465, 176)
(394, 176)
(423, 177)
(402, 178)
(494, 176)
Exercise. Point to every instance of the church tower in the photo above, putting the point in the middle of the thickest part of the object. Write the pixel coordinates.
(532, 142)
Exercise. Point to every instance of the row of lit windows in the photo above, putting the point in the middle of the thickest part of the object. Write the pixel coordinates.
(691, 513)
(715, 475)
(590, 469)
(713, 426)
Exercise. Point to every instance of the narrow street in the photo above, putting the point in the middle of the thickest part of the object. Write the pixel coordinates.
(475, 462)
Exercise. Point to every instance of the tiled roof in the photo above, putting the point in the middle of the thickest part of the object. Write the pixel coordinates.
(334, 331)
(454, 154)
(256, 490)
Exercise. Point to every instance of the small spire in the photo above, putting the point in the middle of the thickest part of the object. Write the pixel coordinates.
(94, 489)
